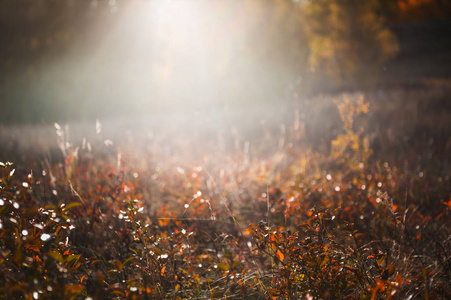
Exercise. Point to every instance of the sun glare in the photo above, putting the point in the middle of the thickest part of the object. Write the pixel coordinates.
(167, 52)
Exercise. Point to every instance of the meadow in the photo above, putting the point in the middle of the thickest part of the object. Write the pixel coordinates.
(337, 197)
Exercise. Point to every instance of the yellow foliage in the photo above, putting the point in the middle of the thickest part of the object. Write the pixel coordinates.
(346, 38)
(351, 147)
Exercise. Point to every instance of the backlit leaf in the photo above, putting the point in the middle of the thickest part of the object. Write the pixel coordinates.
(279, 255)
(71, 205)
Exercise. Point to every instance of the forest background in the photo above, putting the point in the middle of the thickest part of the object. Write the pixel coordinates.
(82, 60)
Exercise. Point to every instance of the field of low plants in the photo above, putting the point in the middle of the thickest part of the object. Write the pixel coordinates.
(273, 210)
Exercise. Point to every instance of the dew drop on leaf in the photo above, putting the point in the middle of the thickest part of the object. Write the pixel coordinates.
(45, 237)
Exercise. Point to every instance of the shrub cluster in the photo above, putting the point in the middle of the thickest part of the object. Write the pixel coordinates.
(289, 224)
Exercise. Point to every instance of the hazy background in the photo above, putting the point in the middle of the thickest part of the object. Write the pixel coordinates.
(66, 60)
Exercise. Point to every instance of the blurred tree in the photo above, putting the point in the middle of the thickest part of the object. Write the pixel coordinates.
(34, 35)
(72, 59)
(422, 10)
(347, 39)
(260, 48)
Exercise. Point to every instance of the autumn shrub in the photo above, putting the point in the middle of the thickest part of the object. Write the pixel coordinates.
(283, 222)
(37, 259)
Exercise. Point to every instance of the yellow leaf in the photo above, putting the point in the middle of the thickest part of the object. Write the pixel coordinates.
(325, 261)
(381, 260)
(223, 266)
(72, 257)
(128, 260)
(71, 205)
(56, 255)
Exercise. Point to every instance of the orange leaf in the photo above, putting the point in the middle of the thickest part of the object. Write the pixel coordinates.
(94, 262)
(390, 269)
(399, 279)
(359, 235)
(279, 255)
(32, 247)
(162, 270)
(118, 265)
